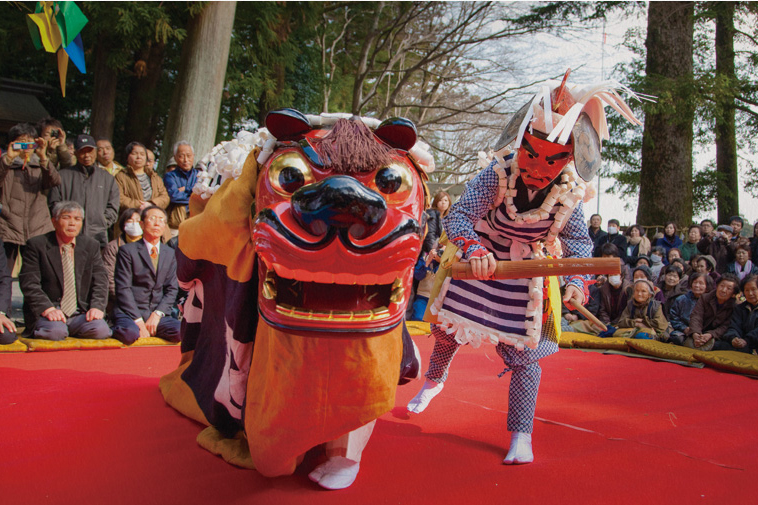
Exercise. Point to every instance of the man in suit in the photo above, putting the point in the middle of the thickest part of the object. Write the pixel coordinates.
(63, 280)
(7, 328)
(146, 284)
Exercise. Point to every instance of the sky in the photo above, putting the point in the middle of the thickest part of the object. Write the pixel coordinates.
(592, 55)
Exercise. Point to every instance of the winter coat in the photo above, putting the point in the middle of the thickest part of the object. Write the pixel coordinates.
(612, 302)
(97, 192)
(24, 212)
(667, 244)
(681, 310)
(744, 324)
(710, 317)
(433, 230)
(131, 191)
(719, 249)
(651, 314)
(618, 240)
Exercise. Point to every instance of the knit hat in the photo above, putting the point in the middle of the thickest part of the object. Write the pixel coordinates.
(645, 270)
(710, 259)
(647, 283)
(725, 227)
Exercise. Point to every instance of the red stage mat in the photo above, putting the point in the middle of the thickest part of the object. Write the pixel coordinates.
(91, 427)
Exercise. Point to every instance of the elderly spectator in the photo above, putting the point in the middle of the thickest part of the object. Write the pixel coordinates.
(613, 237)
(130, 230)
(7, 328)
(643, 315)
(644, 272)
(642, 260)
(681, 308)
(712, 315)
(25, 172)
(717, 246)
(706, 265)
(689, 248)
(146, 285)
(140, 187)
(179, 183)
(58, 152)
(668, 240)
(63, 280)
(94, 189)
(594, 228)
(637, 243)
(742, 266)
(105, 157)
(171, 165)
(742, 334)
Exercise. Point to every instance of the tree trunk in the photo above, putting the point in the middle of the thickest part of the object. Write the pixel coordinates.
(726, 141)
(141, 117)
(103, 95)
(666, 169)
(197, 98)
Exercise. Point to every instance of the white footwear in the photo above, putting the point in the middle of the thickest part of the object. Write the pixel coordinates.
(520, 452)
(429, 390)
(335, 473)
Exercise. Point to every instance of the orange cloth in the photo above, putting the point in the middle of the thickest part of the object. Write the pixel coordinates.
(304, 391)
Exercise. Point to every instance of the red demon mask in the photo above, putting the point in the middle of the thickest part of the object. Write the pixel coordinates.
(541, 161)
(338, 225)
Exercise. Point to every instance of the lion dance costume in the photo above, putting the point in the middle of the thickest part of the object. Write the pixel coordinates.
(526, 202)
(297, 260)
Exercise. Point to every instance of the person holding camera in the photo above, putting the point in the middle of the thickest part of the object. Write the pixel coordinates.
(58, 152)
(25, 172)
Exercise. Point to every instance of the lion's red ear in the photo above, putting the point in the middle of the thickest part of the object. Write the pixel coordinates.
(398, 132)
(287, 124)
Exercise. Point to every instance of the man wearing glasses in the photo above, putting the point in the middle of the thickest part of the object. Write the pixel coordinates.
(146, 284)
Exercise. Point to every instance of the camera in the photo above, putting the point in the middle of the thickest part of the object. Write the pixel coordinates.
(54, 134)
(22, 146)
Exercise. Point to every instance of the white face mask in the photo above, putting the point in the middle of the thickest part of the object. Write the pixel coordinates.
(615, 280)
(133, 229)
(655, 258)
(612, 230)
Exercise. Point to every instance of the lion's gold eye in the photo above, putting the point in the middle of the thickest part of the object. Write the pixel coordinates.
(394, 181)
(288, 173)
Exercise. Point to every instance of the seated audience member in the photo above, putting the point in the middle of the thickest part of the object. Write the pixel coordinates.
(171, 165)
(681, 309)
(671, 287)
(644, 272)
(24, 177)
(754, 242)
(594, 228)
(140, 187)
(637, 244)
(689, 248)
(613, 298)
(7, 328)
(105, 157)
(706, 264)
(742, 334)
(94, 189)
(129, 231)
(63, 280)
(673, 253)
(742, 265)
(642, 260)
(712, 315)
(613, 237)
(58, 152)
(736, 222)
(668, 240)
(179, 183)
(657, 260)
(718, 247)
(643, 316)
(146, 284)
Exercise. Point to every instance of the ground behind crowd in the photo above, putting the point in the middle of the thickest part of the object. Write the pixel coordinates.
(91, 426)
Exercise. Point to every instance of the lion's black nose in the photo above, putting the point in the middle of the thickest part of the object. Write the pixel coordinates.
(342, 202)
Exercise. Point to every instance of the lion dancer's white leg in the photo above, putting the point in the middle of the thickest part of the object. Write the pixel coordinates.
(344, 453)
(445, 348)
(522, 401)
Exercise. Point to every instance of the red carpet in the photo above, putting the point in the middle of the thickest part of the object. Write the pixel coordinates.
(91, 427)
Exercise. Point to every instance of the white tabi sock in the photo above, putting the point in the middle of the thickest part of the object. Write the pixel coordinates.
(335, 473)
(429, 390)
(521, 449)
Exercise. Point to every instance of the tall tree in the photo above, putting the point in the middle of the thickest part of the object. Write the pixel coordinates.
(197, 97)
(666, 169)
(728, 192)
